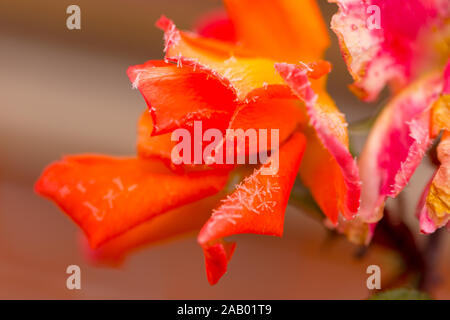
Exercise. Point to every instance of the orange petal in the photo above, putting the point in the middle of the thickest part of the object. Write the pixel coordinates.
(107, 196)
(235, 67)
(284, 115)
(161, 147)
(167, 226)
(149, 146)
(283, 30)
(327, 157)
(178, 96)
(256, 206)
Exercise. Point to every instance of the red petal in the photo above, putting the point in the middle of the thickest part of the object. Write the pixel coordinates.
(217, 256)
(318, 69)
(216, 25)
(357, 231)
(284, 115)
(178, 96)
(257, 205)
(107, 196)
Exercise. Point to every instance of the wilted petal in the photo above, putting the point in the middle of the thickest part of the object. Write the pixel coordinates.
(435, 212)
(427, 225)
(440, 113)
(284, 115)
(357, 231)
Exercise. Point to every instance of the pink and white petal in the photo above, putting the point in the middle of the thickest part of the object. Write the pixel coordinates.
(409, 37)
(397, 144)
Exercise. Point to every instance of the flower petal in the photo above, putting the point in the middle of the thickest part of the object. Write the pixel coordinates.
(216, 25)
(284, 115)
(435, 213)
(167, 226)
(148, 146)
(407, 38)
(256, 206)
(397, 144)
(235, 67)
(283, 30)
(217, 256)
(427, 225)
(107, 196)
(440, 113)
(178, 96)
(327, 157)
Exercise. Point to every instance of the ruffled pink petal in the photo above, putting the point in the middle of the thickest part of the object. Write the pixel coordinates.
(408, 37)
(396, 145)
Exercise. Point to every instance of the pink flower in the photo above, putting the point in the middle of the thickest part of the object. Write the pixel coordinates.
(408, 50)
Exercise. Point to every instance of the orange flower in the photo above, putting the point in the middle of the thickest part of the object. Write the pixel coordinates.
(260, 68)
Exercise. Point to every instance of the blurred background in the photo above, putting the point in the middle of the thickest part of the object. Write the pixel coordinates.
(64, 92)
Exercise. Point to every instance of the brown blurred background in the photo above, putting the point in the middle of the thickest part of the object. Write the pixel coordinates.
(65, 91)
